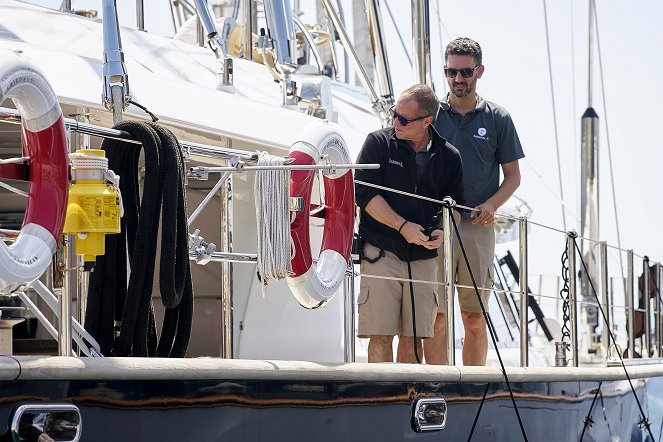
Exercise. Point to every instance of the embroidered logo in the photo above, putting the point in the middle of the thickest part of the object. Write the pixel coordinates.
(481, 133)
(398, 163)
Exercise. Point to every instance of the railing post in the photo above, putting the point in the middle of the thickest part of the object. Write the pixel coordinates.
(66, 295)
(524, 297)
(605, 307)
(449, 272)
(573, 294)
(645, 294)
(630, 314)
(349, 314)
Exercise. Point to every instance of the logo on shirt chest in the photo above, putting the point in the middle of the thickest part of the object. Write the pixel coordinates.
(398, 163)
(481, 134)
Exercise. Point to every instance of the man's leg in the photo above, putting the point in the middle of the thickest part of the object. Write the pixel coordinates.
(475, 346)
(380, 348)
(435, 348)
(405, 351)
(479, 244)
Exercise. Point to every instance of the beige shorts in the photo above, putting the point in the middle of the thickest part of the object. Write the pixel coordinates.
(479, 243)
(385, 305)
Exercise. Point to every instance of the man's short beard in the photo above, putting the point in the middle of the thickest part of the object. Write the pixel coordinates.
(465, 92)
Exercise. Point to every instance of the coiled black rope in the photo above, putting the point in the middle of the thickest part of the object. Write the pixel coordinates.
(644, 422)
(120, 314)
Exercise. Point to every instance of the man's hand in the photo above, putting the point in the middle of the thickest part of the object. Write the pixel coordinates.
(413, 233)
(484, 215)
(436, 239)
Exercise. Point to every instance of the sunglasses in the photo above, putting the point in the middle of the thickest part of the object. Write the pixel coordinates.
(401, 119)
(465, 72)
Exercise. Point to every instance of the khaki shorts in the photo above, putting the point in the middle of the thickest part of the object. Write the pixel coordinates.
(385, 305)
(479, 243)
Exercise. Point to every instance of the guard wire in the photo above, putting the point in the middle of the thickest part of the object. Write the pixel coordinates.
(488, 324)
(120, 314)
(644, 420)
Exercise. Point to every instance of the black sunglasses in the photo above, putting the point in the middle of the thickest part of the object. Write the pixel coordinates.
(465, 72)
(401, 119)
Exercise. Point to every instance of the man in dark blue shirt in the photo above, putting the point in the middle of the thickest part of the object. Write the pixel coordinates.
(413, 158)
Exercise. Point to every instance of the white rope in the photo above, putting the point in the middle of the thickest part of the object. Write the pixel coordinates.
(272, 198)
(83, 161)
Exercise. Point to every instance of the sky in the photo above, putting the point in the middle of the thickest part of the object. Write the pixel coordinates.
(521, 76)
(518, 76)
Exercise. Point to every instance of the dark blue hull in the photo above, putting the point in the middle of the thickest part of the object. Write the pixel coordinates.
(226, 409)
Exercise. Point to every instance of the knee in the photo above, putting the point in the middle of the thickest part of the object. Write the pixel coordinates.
(474, 322)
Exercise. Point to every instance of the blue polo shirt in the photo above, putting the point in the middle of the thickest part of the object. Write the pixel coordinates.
(486, 137)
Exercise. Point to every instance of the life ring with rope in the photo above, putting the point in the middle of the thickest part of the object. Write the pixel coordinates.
(44, 147)
(315, 284)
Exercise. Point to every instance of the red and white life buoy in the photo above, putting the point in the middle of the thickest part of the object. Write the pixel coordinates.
(44, 143)
(313, 285)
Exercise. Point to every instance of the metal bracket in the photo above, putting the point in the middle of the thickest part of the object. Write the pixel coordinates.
(200, 249)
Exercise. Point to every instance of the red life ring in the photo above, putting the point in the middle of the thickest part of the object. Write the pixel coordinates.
(314, 285)
(44, 142)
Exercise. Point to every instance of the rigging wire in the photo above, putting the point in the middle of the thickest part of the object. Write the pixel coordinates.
(607, 139)
(550, 189)
(398, 32)
(442, 46)
(576, 135)
(554, 113)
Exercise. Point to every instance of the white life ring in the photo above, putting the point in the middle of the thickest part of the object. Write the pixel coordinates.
(44, 142)
(314, 285)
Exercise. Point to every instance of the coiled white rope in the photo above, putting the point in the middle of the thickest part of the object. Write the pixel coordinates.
(83, 161)
(272, 199)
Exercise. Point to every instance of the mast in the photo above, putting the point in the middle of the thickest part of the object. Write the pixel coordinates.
(421, 42)
(589, 216)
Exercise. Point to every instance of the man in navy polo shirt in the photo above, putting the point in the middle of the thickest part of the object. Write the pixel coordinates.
(484, 134)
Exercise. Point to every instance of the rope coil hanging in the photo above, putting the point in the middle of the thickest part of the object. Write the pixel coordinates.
(120, 314)
(272, 200)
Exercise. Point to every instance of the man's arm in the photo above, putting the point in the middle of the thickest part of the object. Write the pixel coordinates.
(382, 212)
(510, 183)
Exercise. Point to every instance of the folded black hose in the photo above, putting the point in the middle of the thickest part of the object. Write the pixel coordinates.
(112, 303)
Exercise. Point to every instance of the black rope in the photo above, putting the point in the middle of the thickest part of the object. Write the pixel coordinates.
(154, 117)
(114, 302)
(476, 416)
(414, 316)
(644, 421)
(588, 419)
(489, 325)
